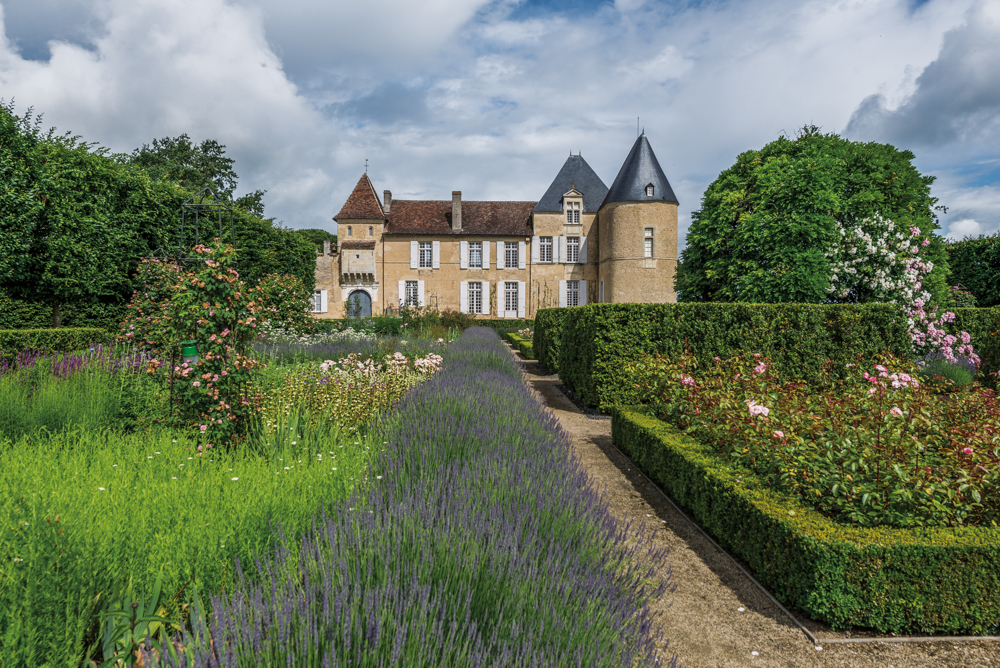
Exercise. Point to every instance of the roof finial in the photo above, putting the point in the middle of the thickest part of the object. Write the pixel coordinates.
(366, 165)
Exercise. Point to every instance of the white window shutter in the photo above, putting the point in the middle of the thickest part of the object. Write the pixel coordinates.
(520, 255)
(583, 293)
(560, 249)
(436, 254)
(420, 293)
(463, 297)
(535, 253)
(500, 257)
(520, 299)
(562, 294)
(402, 292)
(322, 301)
(414, 260)
(583, 249)
(463, 256)
(486, 254)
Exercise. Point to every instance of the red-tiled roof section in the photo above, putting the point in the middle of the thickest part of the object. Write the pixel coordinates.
(362, 204)
(434, 217)
(358, 245)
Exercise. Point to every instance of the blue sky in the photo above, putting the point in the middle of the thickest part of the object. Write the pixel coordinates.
(490, 96)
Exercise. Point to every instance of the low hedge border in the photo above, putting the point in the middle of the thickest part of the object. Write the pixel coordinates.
(63, 339)
(935, 580)
(598, 341)
(522, 345)
(503, 325)
(548, 334)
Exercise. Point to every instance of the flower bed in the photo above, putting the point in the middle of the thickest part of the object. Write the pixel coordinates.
(481, 541)
(944, 580)
(877, 448)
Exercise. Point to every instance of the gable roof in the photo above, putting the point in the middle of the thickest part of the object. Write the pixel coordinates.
(575, 173)
(639, 170)
(479, 218)
(362, 204)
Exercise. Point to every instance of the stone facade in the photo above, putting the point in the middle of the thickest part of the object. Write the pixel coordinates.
(581, 243)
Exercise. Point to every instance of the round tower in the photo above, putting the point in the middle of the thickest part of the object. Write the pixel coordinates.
(638, 232)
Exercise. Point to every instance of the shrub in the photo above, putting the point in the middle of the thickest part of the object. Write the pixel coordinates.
(878, 448)
(457, 319)
(961, 371)
(925, 580)
(975, 265)
(63, 339)
(548, 334)
(600, 340)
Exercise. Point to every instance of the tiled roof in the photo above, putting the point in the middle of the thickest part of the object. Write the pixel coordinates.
(358, 245)
(576, 173)
(478, 218)
(639, 170)
(362, 204)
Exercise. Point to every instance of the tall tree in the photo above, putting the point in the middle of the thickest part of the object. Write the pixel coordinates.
(191, 166)
(767, 224)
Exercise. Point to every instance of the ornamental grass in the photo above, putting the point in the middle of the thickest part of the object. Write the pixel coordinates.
(480, 542)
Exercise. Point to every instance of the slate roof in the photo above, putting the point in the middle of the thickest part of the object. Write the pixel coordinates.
(639, 170)
(478, 218)
(358, 245)
(575, 172)
(362, 204)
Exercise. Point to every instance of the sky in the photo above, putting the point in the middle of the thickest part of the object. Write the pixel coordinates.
(490, 96)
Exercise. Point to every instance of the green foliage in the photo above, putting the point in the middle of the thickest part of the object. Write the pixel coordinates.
(975, 265)
(766, 223)
(163, 508)
(548, 334)
(13, 341)
(877, 448)
(903, 581)
(191, 166)
(600, 340)
(285, 301)
(316, 237)
(504, 325)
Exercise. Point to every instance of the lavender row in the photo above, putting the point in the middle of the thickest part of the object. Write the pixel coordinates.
(63, 365)
(479, 542)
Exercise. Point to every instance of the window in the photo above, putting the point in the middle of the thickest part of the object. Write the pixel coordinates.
(475, 297)
(572, 213)
(371, 231)
(510, 299)
(349, 230)
(545, 249)
(318, 301)
(412, 298)
(510, 255)
(426, 255)
(475, 256)
(649, 242)
(572, 249)
(572, 293)
(649, 190)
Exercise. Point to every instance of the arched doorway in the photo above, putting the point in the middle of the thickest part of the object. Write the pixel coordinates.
(359, 304)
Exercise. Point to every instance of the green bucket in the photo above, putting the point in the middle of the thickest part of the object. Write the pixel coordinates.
(189, 351)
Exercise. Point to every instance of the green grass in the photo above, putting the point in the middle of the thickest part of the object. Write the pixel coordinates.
(83, 510)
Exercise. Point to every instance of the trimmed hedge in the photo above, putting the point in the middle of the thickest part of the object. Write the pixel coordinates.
(892, 580)
(548, 334)
(63, 339)
(503, 325)
(522, 345)
(598, 341)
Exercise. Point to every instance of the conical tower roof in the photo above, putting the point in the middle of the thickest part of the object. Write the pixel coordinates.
(362, 204)
(575, 173)
(640, 170)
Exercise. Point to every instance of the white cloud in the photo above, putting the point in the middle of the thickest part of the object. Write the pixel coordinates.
(967, 227)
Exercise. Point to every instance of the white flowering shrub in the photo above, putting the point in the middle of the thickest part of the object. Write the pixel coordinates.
(279, 335)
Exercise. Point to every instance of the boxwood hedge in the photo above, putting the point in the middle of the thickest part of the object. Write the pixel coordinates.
(548, 334)
(891, 580)
(597, 342)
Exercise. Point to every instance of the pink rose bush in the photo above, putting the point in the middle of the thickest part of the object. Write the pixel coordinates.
(878, 447)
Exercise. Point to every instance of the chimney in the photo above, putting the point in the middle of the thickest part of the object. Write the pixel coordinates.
(456, 209)
(386, 200)
(326, 247)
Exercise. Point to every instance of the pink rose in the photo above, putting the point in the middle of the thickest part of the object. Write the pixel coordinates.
(197, 383)
(897, 411)
(203, 427)
(967, 451)
(779, 434)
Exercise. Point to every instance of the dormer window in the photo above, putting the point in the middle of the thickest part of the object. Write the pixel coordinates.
(649, 190)
(572, 213)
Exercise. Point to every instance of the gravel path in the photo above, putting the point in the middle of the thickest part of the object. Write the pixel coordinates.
(718, 617)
